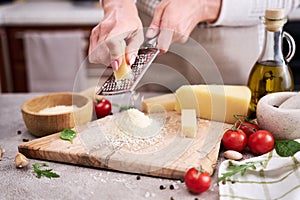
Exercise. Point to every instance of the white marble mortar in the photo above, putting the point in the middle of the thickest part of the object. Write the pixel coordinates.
(279, 113)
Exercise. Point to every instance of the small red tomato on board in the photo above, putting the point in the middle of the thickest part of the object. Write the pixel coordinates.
(261, 142)
(197, 181)
(234, 140)
(102, 108)
(247, 127)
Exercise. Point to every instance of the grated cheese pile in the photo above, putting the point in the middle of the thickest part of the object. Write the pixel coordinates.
(132, 144)
(58, 109)
(136, 124)
(138, 118)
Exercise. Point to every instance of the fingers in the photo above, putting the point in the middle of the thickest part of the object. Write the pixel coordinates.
(93, 44)
(164, 40)
(98, 51)
(104, 48)
(116, 48)
(167, 37)
(111, 49)
(133, 44)
(99, 55)
(159, 25)
(171, 25)
(153, 29)
(107, 41)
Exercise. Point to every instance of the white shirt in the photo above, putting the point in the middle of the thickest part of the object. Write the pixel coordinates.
(234, 12)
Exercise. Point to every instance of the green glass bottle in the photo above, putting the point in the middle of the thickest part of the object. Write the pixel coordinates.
(271, 72)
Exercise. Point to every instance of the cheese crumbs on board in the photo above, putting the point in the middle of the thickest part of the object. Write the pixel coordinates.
(131, 130)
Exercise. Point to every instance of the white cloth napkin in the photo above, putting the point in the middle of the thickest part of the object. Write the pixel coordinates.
(54, 60)
(277, 178)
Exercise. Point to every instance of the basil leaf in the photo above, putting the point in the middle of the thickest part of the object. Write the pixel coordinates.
(286, 148)
(68, 134)
(123, 108)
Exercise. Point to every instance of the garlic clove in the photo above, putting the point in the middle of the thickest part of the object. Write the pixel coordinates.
(1, 151)
(21, 161)
(233, 155)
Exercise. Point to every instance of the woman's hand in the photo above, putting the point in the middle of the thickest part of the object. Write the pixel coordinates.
(119, 31)
(175, 19)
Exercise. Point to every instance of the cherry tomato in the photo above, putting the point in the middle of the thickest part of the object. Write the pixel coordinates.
(261, 142)
(234, 140)
(247, 127)
(197, 181)
(102, 108)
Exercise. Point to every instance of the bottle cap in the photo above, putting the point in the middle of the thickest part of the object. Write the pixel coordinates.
(275, 14)
(274, 19)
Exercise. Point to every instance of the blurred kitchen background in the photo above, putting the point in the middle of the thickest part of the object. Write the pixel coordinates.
(41, 35)
(43, 44)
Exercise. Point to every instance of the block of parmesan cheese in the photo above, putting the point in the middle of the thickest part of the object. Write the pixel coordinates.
(214, 102)
(160, 103)
(124, 71)
(189, 123)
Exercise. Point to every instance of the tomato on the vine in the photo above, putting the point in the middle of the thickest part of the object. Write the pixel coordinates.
(261, 142)
(102, 107)
(234, 140)
(247, 127)
(197, 181)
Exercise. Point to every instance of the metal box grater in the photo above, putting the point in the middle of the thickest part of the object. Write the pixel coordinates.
(143, 61)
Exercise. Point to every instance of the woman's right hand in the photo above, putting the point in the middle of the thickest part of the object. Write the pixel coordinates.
(120, 30)
(174, 20)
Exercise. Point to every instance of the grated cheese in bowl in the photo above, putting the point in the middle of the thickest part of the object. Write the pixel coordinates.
(58, 109)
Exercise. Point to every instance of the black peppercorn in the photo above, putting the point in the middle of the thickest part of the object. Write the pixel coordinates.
(138, 177)
(19, 132)
(162, 187)
(25, 140)
(171, 187)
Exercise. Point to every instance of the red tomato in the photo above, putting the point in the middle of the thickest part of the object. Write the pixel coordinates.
(261, 142)
(197, 181)
(234, 140)
(248, 127)
(102, 108)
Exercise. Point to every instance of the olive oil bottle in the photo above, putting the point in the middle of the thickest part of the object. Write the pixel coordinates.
(271, 72)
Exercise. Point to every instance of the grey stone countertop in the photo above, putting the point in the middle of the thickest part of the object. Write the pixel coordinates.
(75, 182)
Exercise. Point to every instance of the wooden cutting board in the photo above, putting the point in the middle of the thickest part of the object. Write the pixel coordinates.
(167, 155)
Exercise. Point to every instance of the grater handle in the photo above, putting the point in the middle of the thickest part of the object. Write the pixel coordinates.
(150, 42)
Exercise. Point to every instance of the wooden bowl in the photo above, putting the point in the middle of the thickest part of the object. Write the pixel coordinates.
(44, 124)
